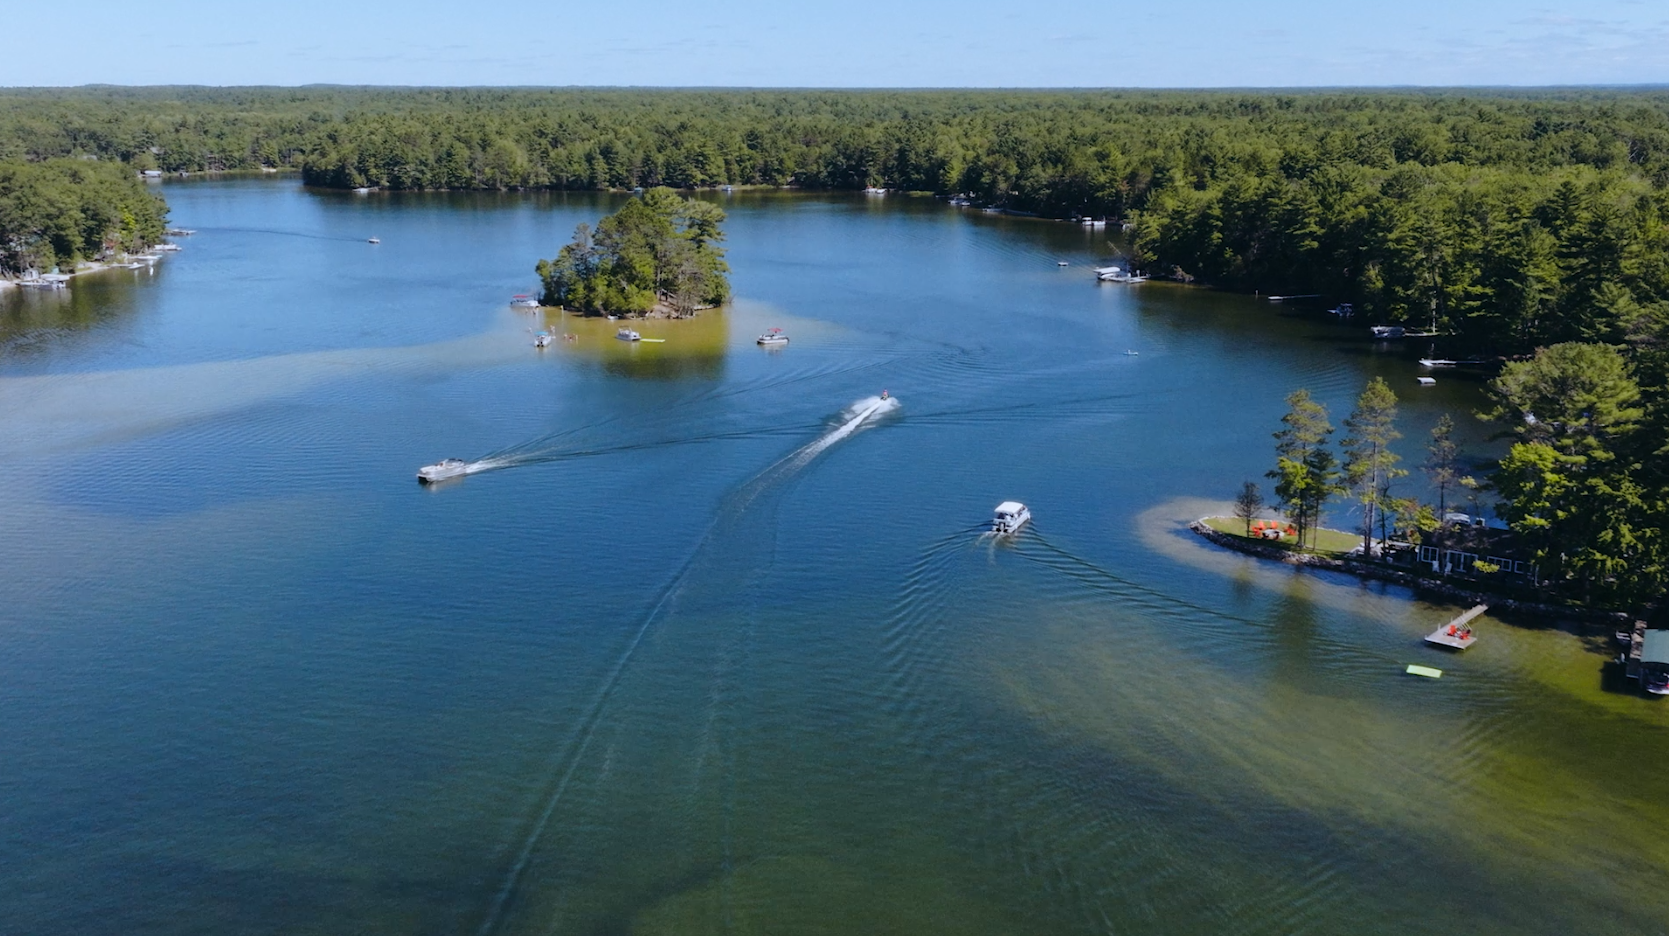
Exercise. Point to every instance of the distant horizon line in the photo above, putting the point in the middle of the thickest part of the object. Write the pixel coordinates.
(323, 85)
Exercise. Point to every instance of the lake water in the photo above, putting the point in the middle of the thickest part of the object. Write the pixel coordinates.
(705, 657)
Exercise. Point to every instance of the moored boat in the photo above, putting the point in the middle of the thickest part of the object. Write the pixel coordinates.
(523, 301)
(443, 469)
(1010, 517)
(1387, 331)
(627, 334)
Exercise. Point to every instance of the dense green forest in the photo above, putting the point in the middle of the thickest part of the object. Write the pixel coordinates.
(1507, 220)
(659, 251)
(1529, 226)
(61, 211)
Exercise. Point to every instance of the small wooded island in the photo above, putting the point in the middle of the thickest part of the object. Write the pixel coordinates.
(657, 255)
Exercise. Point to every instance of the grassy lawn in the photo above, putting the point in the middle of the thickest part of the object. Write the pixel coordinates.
(1326, 541)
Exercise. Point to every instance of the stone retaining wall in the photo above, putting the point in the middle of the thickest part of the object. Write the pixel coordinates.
(1424, 584)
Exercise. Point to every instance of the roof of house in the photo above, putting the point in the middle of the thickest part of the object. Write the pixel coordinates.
(1656, 648)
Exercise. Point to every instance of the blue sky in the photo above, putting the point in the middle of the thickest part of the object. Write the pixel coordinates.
(863, 43)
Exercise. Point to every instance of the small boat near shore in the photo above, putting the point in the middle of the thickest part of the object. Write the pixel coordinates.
(773, 337)
(628, 334)
(442, 470)
(523, 301)
(1010, 516)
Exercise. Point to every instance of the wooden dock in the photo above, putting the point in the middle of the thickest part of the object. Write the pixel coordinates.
(1457, 635)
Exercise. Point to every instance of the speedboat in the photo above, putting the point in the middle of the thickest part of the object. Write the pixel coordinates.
(1343, 310)
(1387, 331)
(543, 339)
(373, 240)
(772, 337)
(1010, 517)
(521, 301)
(1060, 263)
(443, 469)
(627, 334)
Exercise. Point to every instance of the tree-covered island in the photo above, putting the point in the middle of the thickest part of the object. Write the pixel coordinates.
(659, 254)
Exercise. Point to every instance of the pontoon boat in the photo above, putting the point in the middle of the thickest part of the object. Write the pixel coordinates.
(627, 334)
(1010, 517)
(772, 337)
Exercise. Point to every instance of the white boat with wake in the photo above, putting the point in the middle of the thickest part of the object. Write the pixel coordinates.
(442, 470)
(1010, 517)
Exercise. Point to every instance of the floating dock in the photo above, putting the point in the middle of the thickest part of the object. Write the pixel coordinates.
(1456, 635)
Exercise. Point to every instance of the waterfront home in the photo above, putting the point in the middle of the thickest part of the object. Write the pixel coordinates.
(1456, 549)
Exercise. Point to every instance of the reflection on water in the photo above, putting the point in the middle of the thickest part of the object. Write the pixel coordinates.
(32, 319)
(719, 646)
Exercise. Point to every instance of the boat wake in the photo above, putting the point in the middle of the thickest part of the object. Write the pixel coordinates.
(853, 418)
(860, 414)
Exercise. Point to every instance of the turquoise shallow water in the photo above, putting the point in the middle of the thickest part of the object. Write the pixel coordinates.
(697, 660)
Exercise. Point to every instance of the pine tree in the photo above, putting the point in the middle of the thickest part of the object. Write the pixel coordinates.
(1306, 472)
(1369, 463)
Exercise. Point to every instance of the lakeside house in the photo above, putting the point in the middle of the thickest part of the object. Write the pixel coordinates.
(1456, 549)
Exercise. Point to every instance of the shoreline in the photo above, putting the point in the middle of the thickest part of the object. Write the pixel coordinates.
(1430, 585)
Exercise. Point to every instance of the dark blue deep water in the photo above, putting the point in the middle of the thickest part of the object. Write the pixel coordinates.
(704, 656)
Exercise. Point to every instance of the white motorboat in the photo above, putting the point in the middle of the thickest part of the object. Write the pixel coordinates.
(873, 190)
(373, 240)
(1426, 381)
(169, 248)
(1343, 310)
(443, 469)
(521, 301)
(627, 334)
(542, 340)
(1010, 517)
(1061, 263)
(1119, 277)
(1107, 271)
(772, 337)
(1387, 331)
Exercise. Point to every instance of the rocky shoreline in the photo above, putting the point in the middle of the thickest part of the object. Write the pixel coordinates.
(1424, 584)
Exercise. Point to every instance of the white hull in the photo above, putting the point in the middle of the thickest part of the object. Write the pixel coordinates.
(626, 334)
(444, 470)
(1010, 517)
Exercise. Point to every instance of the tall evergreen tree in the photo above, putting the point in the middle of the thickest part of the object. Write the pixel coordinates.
(1306, 470)
(1369, 463)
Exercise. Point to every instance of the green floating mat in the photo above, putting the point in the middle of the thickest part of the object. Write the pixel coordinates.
(1424, 671)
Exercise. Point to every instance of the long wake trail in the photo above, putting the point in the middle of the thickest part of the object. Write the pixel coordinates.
(851, 420)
